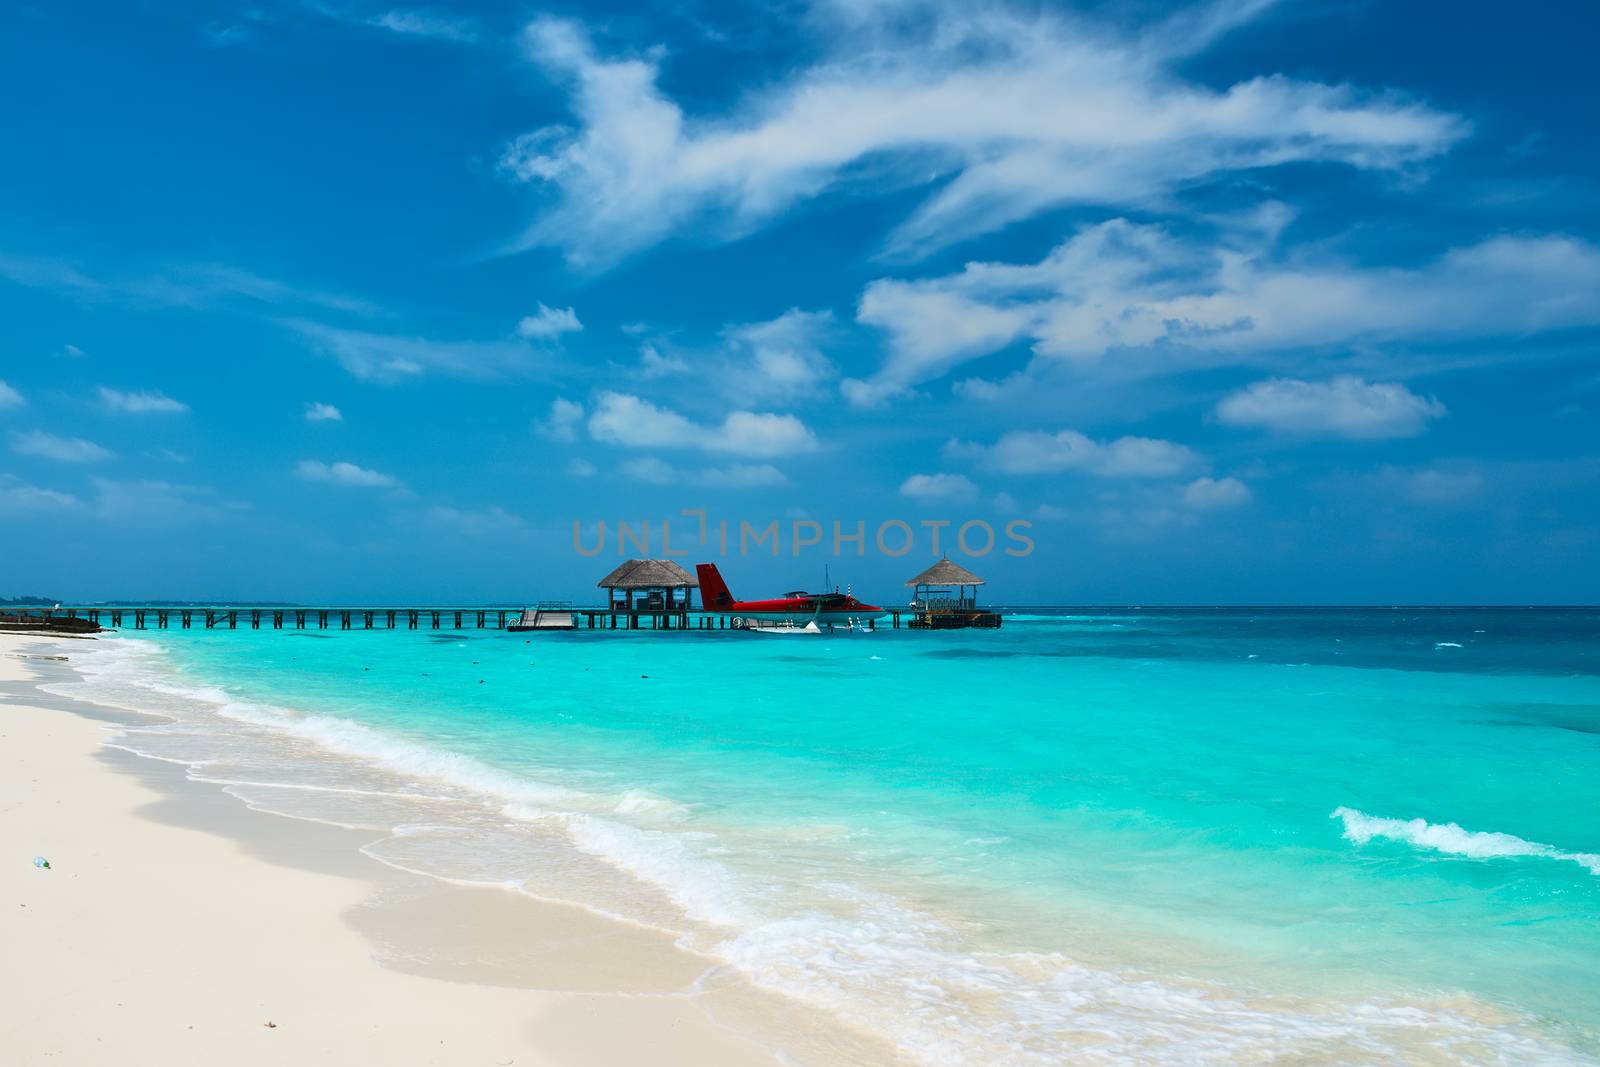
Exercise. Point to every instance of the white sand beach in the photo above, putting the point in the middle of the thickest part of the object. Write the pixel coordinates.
(176, 926)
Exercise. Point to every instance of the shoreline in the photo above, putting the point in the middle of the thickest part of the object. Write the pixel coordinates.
(223, 918)
(465, 875)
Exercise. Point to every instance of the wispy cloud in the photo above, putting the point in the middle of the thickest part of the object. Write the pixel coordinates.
(562, 424)
(140, 402)
(229, 34)
(345, 474)
(390, 358)
(1210, 494)
(1438, 484)
(146, 502)
(155, 503)
(654, 363)
(1039, 452)
(937, 488)
(61, 449)
(238, 29)
(19, 497)
(185, 285)
(483, 522)
(426, 23)
(1003, 115)
(768, 361)
(1120, 286)
(735, 476)
(621, 419)
(781, 358)
(548, 323)
(9, 397)
(317, 411)
(1344, 406)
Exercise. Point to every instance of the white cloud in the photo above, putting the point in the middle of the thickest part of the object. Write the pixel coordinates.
(652, 470)
(343, 473)
(1433, 485)
(736, 476)
(1040, 452)
(425, 23)
(740, 476)
(387, 359)
(62, 449)
(9, 397)
(72, 351)
(1152, 297)
(621, 419)
(158, 503)
(1344, 406)
(190, 285)
(140, 402)
(226, 35)
(750, 433)
(317, 411)
(548, 323)
(147, 502)
(582, 468)
(1003, 116)
(1216, 493)
(776, 360)
(406, 22)
(653, 363)
(491, 520)
(781, 358)
(562, 422)
(932, 329)
(930, 488)
(18, 496)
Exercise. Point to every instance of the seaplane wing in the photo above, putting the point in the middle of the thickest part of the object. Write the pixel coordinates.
(795, 607)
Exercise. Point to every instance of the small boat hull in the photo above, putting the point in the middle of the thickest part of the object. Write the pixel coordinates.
(758, 626)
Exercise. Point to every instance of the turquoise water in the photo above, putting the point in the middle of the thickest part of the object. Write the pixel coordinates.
(1168, 836)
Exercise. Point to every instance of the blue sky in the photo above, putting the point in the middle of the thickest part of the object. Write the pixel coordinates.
(1238, 302)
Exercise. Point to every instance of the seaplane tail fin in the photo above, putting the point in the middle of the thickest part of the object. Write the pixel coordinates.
(714, 595)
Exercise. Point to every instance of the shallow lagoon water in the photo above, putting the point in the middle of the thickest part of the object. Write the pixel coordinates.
(1174, 836)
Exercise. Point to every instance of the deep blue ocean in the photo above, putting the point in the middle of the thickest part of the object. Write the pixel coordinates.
(1149, 835)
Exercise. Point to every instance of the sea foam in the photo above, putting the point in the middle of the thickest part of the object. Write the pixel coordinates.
(1452, 839)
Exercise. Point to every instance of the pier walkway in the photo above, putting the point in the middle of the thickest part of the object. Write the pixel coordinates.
(227, 617)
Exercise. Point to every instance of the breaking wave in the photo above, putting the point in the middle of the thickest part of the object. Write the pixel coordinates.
(1453, 840)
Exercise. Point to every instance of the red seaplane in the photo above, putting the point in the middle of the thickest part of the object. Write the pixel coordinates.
(791, 609)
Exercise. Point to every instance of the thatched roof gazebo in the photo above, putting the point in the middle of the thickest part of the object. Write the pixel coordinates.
(656, 581)
(945, 586)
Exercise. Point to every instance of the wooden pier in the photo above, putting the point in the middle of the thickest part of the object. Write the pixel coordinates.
(227, 617)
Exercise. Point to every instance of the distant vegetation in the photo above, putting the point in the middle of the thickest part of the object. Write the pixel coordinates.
(45, 602)
(197, 603)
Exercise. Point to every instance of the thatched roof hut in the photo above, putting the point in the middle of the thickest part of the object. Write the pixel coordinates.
(656, 580)
(945, 586)
(946, 573)
(649, 574)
